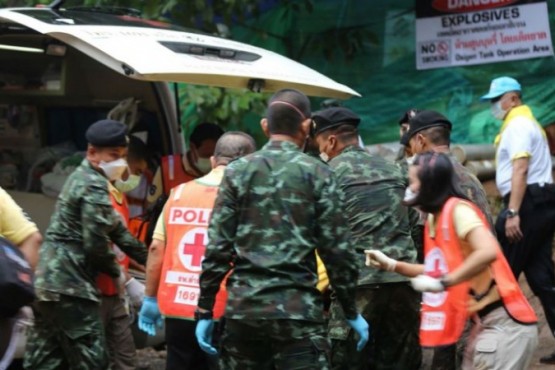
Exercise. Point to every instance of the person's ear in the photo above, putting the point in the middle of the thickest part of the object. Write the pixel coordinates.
(264, 125)
(213, 163)
(306, 126)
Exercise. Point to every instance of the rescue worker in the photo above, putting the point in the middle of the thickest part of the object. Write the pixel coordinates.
(526, 224)
(177, 250)
(177, 169)
(68, 330)
(465, 273)
(274, 209)
(15, 226)
(431, 131)
(373, 190)
(114, 307)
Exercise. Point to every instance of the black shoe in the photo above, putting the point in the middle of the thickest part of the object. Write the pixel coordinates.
(549, 359)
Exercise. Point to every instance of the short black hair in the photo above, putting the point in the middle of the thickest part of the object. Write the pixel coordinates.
(287, 109)
(137, 149)
(233, 145)
(438, 135)
(205, 131)
(438, 182)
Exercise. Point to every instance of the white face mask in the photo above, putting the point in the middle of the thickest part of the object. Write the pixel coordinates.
(203, 165)
(324, 157)
(410, 160)
(114, 169)
(497, 111)
(410, 195)
(131, 183)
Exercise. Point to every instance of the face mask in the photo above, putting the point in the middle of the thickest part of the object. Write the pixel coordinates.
(410, 195)
(131, 183)
(203, 165)
(114, 169)
(324, 157)
(410, 160)
(497, 111)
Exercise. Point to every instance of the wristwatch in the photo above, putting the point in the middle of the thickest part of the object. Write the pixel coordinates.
(203, 315)
(510, 213)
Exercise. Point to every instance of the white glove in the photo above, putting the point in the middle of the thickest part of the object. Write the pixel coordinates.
(136, 292)
(377, 259)
(425, 283)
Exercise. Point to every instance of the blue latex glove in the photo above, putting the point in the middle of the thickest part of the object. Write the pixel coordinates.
(363, 330)
(150, 316)
(203, 332)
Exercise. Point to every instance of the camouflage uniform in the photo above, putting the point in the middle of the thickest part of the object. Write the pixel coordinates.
(274, 208)
(68, 332)
(473, 189)
(373, 190)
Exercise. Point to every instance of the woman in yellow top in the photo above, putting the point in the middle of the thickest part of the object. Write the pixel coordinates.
(465, 273)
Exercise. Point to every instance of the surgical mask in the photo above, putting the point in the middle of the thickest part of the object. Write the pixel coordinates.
(409, 195)
(131, 183)
(410, 160)
(203, 164)
(497, 111)
(324, 157)
(114, 169)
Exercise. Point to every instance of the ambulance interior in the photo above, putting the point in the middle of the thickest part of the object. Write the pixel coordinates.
(49, 94)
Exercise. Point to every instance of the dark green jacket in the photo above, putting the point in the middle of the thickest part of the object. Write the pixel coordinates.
(77, 244)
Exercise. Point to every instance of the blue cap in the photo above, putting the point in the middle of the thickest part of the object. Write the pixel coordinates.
(500, 86)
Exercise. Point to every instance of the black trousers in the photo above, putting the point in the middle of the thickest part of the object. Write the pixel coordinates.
(533, 254)
(183, 350)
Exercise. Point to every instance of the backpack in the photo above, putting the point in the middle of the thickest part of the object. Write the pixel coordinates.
(16, 280)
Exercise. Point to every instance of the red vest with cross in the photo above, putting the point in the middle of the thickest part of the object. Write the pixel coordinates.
(104, 282)
(186, 217)
(444, 314)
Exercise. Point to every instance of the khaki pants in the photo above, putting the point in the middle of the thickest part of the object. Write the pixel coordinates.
(497, 342)
(119, 339)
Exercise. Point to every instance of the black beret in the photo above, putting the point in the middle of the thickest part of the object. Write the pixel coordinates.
(333, 117)
(405, 118)
(424, 120)
(107, 133)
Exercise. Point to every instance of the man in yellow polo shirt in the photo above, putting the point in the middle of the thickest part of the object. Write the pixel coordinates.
(176, 253)
(17, 228)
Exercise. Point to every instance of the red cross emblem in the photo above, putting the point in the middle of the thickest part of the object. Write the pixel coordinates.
(195, 250)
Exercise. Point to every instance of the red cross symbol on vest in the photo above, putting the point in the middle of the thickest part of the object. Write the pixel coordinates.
(192, 248)
(196, 249)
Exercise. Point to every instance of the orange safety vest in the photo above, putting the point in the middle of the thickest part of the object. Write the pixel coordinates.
(186, 217)
(104, 282)
(173, 173)
(444, 314)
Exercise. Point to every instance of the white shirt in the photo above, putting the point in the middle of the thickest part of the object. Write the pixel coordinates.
(522, 137)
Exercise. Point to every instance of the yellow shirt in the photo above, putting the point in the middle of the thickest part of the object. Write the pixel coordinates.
(14, 223)
(465, 220)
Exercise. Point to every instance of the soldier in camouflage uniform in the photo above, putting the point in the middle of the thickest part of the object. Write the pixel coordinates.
(402, 160)
(274, 209)
(373, 191)
(430, 131)
(68, 331)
